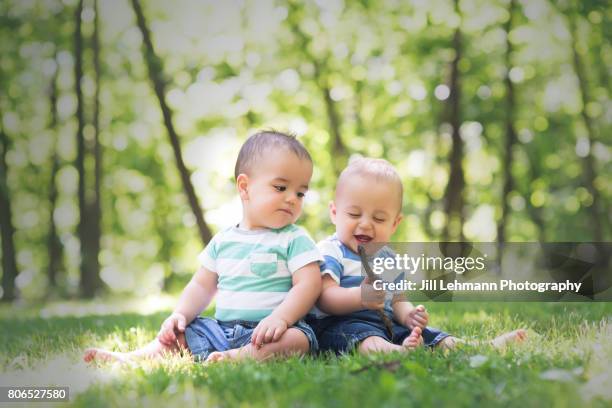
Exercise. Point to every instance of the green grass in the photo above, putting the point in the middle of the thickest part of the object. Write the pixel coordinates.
(566, 362)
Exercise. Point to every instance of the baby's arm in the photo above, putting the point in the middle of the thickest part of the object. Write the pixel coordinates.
(337, 300)
(299, 300)
(407, 315)
(195, 297)
(197, 294)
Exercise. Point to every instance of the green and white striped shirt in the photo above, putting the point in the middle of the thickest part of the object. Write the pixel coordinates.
(255, 268)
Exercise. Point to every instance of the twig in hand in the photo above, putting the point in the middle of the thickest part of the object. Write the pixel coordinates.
(381, 312)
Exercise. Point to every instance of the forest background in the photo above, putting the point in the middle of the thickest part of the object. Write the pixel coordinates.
(121, 120)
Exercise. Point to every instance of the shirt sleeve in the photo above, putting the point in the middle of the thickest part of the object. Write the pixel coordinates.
(332, 257)
(302, 251)
(208, 257)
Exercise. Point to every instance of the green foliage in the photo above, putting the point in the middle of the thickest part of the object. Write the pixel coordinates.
(232, 68)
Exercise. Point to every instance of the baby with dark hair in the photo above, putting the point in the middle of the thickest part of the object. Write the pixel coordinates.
(262, 142)
(264, 271)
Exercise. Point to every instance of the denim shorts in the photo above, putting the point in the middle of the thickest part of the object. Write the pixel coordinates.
(205, 335)
(341, 334)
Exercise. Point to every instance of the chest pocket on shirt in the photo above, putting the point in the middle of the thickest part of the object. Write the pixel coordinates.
(263, 264)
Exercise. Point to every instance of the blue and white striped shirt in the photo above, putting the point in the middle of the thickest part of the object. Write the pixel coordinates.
(343, 266)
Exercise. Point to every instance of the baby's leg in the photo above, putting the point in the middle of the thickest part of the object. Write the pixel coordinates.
(515, 336)
(153, 349)
(292, 342)
(376, 344)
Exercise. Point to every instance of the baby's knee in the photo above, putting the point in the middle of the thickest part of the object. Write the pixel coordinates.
(295, 341)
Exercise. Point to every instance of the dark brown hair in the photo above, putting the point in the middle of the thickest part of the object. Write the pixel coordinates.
(261, 142)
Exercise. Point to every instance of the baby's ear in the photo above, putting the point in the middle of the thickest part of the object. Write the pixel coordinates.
(397, 221)
(332, 211)
(242, 184)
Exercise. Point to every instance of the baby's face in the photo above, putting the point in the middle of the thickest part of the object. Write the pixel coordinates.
(365, 210)
(273, 193)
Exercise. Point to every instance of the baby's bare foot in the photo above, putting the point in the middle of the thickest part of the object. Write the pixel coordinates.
(97, 354)
(413, 340)
(515, 336)
(231, 355)
(217, 356)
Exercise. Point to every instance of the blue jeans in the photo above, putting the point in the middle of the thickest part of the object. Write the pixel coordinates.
(205, 335)
(341, 334)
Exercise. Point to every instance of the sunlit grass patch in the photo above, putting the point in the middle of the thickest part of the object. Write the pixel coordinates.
(565, 361)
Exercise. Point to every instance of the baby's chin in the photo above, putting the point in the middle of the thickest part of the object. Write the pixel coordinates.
(279, 225)
(354, 244)
(275, 222)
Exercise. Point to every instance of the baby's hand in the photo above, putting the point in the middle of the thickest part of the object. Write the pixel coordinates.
(268, 330)
(167, 333)
(417, 317)
(371, 298)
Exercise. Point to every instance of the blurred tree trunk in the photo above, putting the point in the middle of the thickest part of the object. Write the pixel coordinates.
(54, 245)
(431, 206)
(88, 279)
(602, 69)
(598, 221)
(453, 205)
(154, 66)
(339, 152)
(358, 106)
(534, 212)
(596, 47)
(600, 37)
(510, 133)
(9, 264)
(95, 210)
(163, 228)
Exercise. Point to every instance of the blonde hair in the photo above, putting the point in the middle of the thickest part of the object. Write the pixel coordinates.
(379, 169)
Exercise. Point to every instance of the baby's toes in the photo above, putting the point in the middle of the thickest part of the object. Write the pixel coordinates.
(89, 355)
(414, 339)
(410, 343)
(215, 356)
